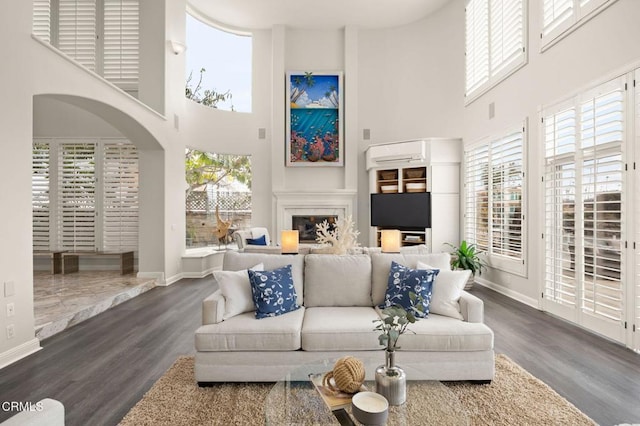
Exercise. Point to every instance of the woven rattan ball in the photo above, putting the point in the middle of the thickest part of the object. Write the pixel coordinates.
(348, 375)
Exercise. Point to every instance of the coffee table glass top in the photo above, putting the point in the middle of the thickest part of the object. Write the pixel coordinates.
(294, 401)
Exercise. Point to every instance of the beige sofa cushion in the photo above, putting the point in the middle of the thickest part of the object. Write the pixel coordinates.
(236, 261)
(340, 329)
(441, 333)
(381, 264)
(337, 280)
(245, 333)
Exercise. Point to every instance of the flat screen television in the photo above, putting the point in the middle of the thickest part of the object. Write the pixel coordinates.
(402, 210)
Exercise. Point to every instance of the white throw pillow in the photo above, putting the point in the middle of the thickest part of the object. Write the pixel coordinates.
(447, 289)
(236, 289)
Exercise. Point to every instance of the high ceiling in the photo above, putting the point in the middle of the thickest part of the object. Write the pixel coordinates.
(318, 14)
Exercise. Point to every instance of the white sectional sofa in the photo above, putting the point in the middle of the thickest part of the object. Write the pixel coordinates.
(338, 296)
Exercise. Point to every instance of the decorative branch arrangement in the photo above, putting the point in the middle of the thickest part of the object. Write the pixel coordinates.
(342, 238)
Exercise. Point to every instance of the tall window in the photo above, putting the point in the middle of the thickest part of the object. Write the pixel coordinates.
(495, 42)
(218, 197)
(584, 181)
(102, 35)
(226, 60)
(558, 16)
(85, 195)
(494, 178)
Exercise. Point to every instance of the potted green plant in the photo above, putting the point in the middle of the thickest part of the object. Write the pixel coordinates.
(466, 256)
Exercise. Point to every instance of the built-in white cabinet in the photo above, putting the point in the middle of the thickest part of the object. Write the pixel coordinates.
(424, 165)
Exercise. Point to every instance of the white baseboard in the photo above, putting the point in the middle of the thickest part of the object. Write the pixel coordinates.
(158, 276)
(193, 274)
(177, 277)
(534, 303)
(19, 352)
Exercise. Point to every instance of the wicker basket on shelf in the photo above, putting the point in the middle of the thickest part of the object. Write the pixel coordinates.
(414, 173)
(388, 175)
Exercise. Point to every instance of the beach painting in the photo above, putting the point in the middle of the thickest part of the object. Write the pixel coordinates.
(314, 119)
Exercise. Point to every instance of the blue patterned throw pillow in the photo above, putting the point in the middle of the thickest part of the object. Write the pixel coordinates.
(403, 281)
(273, 292)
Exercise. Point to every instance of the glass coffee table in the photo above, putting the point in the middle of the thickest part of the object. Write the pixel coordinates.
(294, 401)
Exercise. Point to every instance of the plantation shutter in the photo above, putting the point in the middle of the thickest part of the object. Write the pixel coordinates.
(121, 43)
(76, 196)
(560, 15)
(40, 190)
(506, 195)
(77, 31)
(507, 35)
(636, 298)
(556, 16)
(42, 19)
(477, 44)
(120, 196)
(587, 6)
(601, 139)
(584, 205)
(560, 205)
(477, 196)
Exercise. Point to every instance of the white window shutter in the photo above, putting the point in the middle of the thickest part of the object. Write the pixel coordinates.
(506, 195)
(585, 208)
(601, 137)
(636, 220)
(556, 16)
(476, 216)
(121, 43)
(560, 204)
(40, 191)
(507, 34)
(120, 196)
(494, 41)
(477, 44)
(42, 19)
(559, 16)
(77, 31)
(76, 196)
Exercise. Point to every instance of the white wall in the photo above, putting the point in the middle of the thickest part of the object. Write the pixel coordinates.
(411, 85)
(607, 43)
(15, 176)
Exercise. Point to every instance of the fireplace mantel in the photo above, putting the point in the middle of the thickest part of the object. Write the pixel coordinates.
(288, 204)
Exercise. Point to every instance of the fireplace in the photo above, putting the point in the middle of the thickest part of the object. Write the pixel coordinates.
(306, 225)
(325, 205)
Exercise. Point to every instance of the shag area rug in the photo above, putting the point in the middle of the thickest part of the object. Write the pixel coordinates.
(514, 397)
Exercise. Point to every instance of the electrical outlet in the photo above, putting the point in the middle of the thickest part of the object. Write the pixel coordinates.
(11, 309)
(11, 331)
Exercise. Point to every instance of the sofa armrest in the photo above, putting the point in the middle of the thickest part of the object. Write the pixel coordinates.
(471, 307)
(213, 308)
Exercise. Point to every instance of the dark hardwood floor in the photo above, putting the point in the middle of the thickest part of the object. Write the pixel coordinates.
(100, 368)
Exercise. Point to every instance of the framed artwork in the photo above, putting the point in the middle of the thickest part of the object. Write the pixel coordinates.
(314, 119)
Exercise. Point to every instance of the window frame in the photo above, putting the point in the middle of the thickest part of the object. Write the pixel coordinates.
(510, 264)
(587, 144)
(579, 16)
(505, 69)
